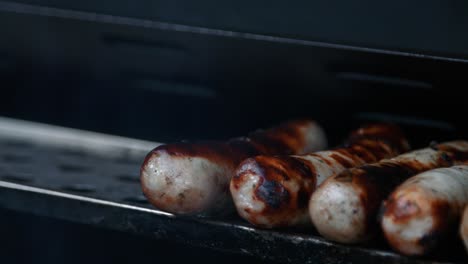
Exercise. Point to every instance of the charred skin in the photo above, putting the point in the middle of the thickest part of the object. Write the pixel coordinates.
(257, 198)
(274, 191)
(425, 209)
(464, 227)
(294, 137)
(193, 178)
(345, 207)
(389, 133)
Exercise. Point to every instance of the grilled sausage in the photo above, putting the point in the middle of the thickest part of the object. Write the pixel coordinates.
(345, 206)
(464, 227)
(193, 178)
(425, 209)
(274, 191)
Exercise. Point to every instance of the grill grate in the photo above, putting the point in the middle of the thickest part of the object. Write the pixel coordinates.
(75, 170)
(92, 179)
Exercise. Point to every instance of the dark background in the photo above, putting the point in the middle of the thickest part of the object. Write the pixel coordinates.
(117, 73)
(172, 70)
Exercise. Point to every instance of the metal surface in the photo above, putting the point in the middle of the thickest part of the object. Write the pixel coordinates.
(367, 24)
(142, 67)
(92, 178)
(93, 17)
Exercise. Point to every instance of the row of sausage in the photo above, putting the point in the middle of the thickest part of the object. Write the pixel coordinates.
(283, 177)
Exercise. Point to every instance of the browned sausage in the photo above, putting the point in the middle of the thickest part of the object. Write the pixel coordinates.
(193, 178)
(424, 210)
(271, 191)
(344, 208)
(464, 228)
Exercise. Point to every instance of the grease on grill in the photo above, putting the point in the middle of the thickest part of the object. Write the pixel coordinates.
(128, 178)
(123, 160)
(73, 153)
(17, 144)
(16, 158)
(69, 167)
(80, 187)
(140, 199)
(18, 177)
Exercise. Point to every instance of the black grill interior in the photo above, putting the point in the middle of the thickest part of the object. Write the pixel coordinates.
(165, 83)
(159, 72)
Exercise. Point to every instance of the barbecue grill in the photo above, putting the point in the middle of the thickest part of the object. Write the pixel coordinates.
(140, 75)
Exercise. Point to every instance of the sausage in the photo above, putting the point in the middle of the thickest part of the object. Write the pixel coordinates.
(464, 227)
(193, 178)
(425, 210)
(345, 206)
(274, 191)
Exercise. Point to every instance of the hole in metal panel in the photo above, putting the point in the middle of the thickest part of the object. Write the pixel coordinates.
(407, 120)
(175, 88)
(139, 42)
(16, 158)
(381, 79)
(73, 168)
(17, 177)
(129, 178)
(141, 199)
(80, 187)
